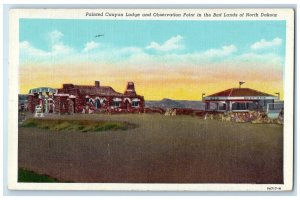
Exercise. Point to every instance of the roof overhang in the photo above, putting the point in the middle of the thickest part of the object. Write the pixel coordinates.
(220, 98)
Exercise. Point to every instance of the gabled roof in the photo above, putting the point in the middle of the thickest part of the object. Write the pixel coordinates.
(239, 92)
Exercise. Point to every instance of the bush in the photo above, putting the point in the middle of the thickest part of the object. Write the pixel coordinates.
(76, 125)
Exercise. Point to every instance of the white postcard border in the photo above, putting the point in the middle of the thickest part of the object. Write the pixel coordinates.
(16, 14)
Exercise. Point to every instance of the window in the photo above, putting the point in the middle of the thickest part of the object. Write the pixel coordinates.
(116, 103)
(239, 106)
(135, 104)
(212, 106)
(222, 106)
(98, 104)
(91, 101)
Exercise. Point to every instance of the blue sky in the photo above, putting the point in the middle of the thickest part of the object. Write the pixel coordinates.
(197, 35)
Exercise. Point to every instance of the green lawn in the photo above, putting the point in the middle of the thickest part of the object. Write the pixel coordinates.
(76, 125)
(32, 177)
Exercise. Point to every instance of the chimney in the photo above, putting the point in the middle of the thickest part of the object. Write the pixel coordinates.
(130, 89)
(97, 83)
(130, 86)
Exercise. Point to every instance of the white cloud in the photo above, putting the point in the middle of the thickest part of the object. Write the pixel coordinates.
(130, 51)
(207, 56)
(221, 52)
(188, 59)
(269, 58)
(28, 49)
(171, 44)
(61, 49)
(57, 47)
(55, 36)
(264, 44)
(136, 56)
(90, 46)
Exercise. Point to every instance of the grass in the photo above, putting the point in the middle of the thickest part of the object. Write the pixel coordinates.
(32, 177)
(76, 125)
(163, 149)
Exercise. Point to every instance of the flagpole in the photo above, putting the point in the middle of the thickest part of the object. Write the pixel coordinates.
(240, 83)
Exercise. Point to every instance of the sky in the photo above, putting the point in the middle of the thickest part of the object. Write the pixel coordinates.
(165, 59)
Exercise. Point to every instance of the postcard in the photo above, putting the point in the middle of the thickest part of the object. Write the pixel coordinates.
(151, 99)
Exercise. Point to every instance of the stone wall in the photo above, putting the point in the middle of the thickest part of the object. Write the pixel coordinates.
(241, 117)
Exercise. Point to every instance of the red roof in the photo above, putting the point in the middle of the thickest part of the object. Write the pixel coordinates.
(101, 90)
(94, 90)
(239, 92)
(90, 90)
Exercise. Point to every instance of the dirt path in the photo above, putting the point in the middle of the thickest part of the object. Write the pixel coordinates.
(161, 150)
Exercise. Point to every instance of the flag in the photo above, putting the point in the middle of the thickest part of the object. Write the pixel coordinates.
(241, 83)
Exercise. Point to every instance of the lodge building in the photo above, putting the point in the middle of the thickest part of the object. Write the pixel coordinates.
(85, 99)
(238, 99)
